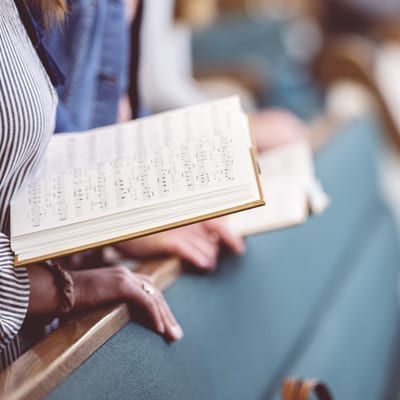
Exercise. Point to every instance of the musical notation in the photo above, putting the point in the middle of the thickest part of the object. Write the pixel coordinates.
(133, 165)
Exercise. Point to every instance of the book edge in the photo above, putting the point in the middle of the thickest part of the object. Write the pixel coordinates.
(204, 217)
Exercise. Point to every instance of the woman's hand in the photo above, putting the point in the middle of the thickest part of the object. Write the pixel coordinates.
(105, 285)
(198, 244)
(95, 287)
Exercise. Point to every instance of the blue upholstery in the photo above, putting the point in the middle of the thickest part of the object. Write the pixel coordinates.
(352, 345)
(260, 44)
(319, 299)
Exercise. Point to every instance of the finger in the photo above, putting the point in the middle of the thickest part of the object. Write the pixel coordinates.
(149, 304)
(209, 250)
(214, 237)
(147, 278)
(166, 309)
(197, 231)
(227, 236)
(173, 330)
(190, 252)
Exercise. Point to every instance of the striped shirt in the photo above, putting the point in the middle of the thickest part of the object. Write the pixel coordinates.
(27, 113)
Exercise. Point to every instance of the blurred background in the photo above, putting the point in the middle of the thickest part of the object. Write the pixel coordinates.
(329, 62)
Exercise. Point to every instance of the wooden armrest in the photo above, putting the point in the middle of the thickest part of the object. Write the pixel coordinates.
(48, 363)
(247, 77)
(195, 13)
(310, 7)
(354, 58)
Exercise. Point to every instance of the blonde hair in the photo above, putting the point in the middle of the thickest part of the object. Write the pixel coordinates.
(52, 10)
(195, 13)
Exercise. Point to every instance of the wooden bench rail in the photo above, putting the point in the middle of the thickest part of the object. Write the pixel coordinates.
(48, 363)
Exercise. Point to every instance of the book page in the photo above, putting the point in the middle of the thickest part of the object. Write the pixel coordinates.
(142, 163)
(292, 191)
(286, 206)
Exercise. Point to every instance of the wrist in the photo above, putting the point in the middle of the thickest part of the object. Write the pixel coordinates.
(98, 286)
(80, 286)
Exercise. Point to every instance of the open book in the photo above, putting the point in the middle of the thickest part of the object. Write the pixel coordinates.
(293, 191)
(133, 179)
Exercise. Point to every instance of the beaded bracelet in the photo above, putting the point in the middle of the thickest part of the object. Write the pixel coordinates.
(65, 286)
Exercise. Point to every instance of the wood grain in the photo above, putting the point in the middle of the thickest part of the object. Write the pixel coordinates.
(48, 363)
(353, 58)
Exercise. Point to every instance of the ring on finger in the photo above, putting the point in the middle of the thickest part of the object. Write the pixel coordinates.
(148, 288)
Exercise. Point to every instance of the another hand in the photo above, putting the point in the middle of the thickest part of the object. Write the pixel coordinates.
(274, 128)
(105, 285)
(198, 244)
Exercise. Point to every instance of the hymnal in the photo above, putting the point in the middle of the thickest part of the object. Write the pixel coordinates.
(128, 180)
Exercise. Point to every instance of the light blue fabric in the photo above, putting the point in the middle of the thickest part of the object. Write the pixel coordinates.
(259, 44)
(352, 345)
(92, 49)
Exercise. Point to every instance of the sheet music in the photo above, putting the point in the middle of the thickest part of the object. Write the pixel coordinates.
(222, 118)
(141, 163)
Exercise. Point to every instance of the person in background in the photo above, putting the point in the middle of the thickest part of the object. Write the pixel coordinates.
(166, 75)
(363, 17)
(381, 9)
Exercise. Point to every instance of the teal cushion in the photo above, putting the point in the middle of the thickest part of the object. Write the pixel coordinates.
(244, 43)
(352, 345)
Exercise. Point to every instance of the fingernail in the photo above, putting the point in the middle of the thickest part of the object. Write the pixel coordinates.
(204, 262)
(241, 248)
(161, 329)
(177, 332)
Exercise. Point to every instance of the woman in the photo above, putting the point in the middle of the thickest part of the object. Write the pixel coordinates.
(166, 76)
(27, 114)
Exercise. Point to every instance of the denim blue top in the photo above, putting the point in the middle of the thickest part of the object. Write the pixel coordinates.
(36, 33)
(92, 49)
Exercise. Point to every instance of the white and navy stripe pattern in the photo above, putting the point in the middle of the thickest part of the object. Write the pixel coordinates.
(27, 114)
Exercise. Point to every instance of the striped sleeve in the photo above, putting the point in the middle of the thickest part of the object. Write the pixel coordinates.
(14, 294)
(27, 115)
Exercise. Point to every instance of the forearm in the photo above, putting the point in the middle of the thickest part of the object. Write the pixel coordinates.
(91, 288)
(98, 286)
(44, 297)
